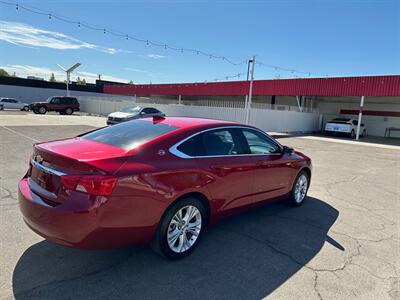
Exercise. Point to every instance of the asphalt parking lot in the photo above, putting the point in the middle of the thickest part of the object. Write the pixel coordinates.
(343, 243)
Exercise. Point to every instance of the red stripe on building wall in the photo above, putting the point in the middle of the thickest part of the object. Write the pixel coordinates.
(370, 113)
(378, 86)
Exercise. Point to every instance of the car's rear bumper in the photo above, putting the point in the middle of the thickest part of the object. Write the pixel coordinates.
(81, 222)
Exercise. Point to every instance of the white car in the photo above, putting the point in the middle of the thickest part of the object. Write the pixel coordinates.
(132, 113)
(9, 103)
(344, 126)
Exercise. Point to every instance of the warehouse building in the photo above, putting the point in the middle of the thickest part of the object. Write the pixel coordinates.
(332, 97)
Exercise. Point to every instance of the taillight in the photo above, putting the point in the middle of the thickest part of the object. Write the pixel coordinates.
(90, 184)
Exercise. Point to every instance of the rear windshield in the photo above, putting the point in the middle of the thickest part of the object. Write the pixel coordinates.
(129, 135)
(340, 121)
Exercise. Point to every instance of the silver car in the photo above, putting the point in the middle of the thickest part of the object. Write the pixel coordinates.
(9, 103)
(131, 113)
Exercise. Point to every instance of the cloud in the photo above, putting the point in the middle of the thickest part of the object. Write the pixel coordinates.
(137, 70)
(22, 34)
(154, 56)
(43, 72)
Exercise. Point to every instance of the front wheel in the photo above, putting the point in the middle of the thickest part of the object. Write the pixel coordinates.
(299, 189)
(68, 111)
(42, 110)
(180, 229)
(25, 108)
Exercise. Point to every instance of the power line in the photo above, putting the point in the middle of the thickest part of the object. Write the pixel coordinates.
(149, 42)
(226, 78)
(293, 71)
(116, 33)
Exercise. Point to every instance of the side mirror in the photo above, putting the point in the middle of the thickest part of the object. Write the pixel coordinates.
(287, 150)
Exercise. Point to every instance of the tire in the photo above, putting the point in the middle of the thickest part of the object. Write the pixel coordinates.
(182, 238)
(42, 110)
(25, 108)
(297, 197)
(35, 112)
(352, 134)
(68, 111)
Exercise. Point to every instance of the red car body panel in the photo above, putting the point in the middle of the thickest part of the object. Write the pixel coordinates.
(147, 184)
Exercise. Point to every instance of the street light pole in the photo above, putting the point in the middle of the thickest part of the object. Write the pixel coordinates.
(253, 61)
(68, 72)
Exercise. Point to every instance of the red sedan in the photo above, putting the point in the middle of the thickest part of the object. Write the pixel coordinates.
(160, 180)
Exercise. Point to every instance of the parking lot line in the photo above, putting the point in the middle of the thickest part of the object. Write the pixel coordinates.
(18, 133)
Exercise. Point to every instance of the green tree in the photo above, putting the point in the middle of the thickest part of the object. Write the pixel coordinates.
(4, 73)
(52, 78)
(130, 82)
(83, 82)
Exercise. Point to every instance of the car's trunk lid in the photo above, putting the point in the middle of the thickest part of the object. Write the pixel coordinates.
(50, 161)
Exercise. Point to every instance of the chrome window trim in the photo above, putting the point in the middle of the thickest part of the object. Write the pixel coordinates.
(174, 149)
(47, 169)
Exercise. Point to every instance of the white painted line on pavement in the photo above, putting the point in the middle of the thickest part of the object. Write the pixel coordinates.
(20, 134)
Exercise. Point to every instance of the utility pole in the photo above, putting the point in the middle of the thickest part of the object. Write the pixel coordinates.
(68, 73)
(252, 62)
(359, 118)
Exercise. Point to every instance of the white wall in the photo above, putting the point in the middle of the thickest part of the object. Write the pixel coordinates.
(32, 94)
(265, 119)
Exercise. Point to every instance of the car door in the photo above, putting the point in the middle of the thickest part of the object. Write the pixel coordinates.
(4, 103)
(218, 153)
(7, 103)
(273, 169)
(149, 112)
(14, 104)
(55, 104)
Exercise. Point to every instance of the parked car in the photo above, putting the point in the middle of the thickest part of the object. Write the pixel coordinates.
(10, 103)
(345, 126)
(155, 180)
(63, 105)
(132, 113)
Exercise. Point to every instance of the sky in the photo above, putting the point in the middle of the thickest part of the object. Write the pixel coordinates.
(289, 38)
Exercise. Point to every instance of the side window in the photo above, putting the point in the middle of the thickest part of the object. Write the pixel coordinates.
(150, 110)
(211, 143)
(12, 101)
(259, 143)
(55, 101)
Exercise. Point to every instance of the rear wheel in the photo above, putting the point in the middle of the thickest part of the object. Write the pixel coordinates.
(42, 110)
(68, 111)
(180, 229)
(299, 189)
(25, 108)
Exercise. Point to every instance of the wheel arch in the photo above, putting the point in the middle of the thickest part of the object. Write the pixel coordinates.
(308, 171)
(197, 195)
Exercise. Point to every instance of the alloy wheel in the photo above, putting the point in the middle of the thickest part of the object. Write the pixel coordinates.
(300, 189)
(184, 229)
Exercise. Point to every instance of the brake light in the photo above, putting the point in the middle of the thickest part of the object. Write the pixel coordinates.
(90, 184)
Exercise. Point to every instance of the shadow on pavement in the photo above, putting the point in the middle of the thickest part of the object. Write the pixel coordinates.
(246, 256)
